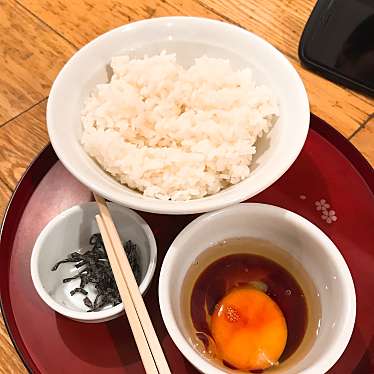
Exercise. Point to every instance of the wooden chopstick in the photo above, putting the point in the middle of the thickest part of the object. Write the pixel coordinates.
(136, 297)
(132, 316)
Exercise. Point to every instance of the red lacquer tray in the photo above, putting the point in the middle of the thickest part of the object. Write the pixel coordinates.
(330, 184)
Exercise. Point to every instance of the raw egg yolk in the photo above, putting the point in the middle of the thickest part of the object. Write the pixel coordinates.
(249, 329)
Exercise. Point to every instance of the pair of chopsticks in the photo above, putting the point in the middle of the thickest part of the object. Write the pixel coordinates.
(145, 336)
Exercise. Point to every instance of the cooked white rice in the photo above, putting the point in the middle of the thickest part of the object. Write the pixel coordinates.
(176, 133)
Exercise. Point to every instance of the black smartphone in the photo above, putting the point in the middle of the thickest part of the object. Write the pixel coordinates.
(338, 43)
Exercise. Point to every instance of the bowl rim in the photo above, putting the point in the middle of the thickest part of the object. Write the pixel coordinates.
(333, 352)
(101, 314)
(238, 192)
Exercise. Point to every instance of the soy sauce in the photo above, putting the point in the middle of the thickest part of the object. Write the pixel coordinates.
(217, 278)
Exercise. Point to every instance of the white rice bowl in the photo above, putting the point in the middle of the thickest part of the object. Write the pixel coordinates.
(174, 133)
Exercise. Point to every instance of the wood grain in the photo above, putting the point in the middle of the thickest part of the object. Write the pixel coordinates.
(82, 20)
(5, 193)
(31, 54)
(364, 141)
(280, 22)
(9, 360)
(20, 141)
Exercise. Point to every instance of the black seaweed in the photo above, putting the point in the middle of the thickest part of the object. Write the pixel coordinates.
(97, 271)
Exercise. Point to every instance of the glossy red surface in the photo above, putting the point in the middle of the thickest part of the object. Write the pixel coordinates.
(329, 168)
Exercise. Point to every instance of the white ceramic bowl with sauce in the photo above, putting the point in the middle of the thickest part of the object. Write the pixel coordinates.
(301, 240)
(188, 37)
(70, 231)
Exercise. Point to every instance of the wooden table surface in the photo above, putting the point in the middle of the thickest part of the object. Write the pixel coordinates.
(38, 36)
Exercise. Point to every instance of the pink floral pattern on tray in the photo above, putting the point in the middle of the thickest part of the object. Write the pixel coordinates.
(328, 215)
(322, 206)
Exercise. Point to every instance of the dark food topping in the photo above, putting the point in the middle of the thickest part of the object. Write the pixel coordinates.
(97, 271)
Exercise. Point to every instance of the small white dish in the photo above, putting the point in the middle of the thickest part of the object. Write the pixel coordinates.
(189, 38)
(70, 231)
(304, 242)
